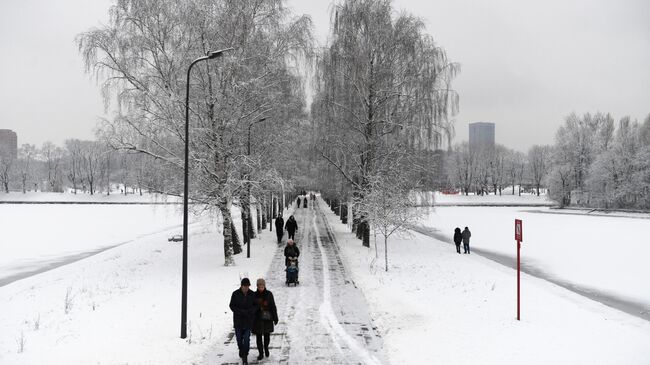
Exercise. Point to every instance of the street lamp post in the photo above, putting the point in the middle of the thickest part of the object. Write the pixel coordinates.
(248, 188)
(209, 56)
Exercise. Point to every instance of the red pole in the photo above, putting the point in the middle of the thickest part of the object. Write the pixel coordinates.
(518, 273)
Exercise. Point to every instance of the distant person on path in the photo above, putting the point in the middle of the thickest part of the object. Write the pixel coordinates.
(266, 318)
(305, 201)
(458, 238)
(279, 227)
(290, 250)
(244, 307)
(291, 227)
(466, 235)
(298, 202)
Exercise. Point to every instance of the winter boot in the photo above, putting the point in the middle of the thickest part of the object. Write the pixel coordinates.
(260, 356)
(244, 360)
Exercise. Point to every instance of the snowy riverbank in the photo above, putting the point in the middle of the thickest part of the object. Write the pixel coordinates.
(436, 306)
(123, 305)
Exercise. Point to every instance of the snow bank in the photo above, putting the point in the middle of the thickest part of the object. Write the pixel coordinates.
(435, 306)
(123, 305)
(505, 199)
(603, 252)
(115, 197)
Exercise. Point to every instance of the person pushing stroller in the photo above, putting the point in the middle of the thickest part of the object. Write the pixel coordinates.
(291, 253)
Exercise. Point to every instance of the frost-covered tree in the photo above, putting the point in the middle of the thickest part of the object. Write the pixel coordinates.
(26, 167)
(382, 85)
(142, 57)
(539, 160)
(52, 156)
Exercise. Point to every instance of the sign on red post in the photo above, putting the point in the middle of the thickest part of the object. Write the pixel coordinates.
(518, 237)
(518, 231)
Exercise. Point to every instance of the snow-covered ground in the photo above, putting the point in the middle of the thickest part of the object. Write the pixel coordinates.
(115, 197)
(34, 235)
(606, 253)
(123, 305)
(435, 306)
(505, 199)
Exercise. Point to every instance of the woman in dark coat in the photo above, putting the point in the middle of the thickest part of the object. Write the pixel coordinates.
(291, 227)
(458, 238)
(265, 319)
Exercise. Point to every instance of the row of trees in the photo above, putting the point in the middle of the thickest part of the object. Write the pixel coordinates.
(81, 166)
(599, 163)
(595, 162)
(491, 169)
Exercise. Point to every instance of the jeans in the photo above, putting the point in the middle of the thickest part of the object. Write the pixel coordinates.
(292, 235)
(466, 247)
(458, 247)
(243, 340)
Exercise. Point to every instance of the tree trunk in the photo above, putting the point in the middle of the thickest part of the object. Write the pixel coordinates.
(386, 251)
(228, 252)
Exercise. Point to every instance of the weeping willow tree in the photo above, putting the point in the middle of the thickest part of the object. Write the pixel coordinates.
(383, 89)
(141, 58)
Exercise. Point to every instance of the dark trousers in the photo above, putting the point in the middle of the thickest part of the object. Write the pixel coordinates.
(243, 340)
(267, 340)
(458, 247)
(466, 247)
(292, 235)
(279, 233)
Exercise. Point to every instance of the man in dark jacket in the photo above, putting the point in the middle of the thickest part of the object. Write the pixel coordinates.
(244, 307)
(458, 238)
(279, 227)
(291, 227)
(291, 250)
(466, 235)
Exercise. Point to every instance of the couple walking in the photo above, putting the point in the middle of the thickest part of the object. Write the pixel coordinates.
(291, 227)
(462, 237)
(256, 312)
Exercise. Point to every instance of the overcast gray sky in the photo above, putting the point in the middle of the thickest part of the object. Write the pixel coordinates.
(525, 65)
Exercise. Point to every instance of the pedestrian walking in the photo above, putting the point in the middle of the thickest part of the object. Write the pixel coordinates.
(279, 227)
(291, 227)
(466, 235)
(305, 201)
(298, 205)
(266, 318)
(243, 307)
(458, 238)
(290, 250)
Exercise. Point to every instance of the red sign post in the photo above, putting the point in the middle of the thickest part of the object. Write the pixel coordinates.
(519, 238)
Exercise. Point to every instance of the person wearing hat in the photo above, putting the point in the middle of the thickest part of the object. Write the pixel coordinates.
(266, 318)
(290, 251)
(244, 308)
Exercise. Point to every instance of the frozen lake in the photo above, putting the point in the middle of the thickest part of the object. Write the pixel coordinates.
(608, 252)
(37, 236)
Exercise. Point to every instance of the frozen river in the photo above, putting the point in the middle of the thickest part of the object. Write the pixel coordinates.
(38, 237)
(600, 254)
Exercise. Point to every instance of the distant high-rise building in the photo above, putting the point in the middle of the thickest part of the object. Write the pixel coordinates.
(8, 144)
(481, 134)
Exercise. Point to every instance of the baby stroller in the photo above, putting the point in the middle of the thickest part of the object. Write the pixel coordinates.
(292, 271)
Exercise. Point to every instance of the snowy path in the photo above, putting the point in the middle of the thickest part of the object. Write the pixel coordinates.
(634, 308)
(325, 319)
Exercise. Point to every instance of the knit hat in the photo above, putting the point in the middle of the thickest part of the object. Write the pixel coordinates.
(245, 282)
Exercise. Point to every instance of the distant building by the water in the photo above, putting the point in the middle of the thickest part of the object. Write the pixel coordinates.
(8, 144)
(481, 134)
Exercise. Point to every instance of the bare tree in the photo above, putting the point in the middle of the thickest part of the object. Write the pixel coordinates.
(53, 157)
(143, 55)
(539, 162)
(382, 82)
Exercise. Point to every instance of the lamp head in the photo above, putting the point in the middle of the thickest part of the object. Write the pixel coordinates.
(215, 54)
